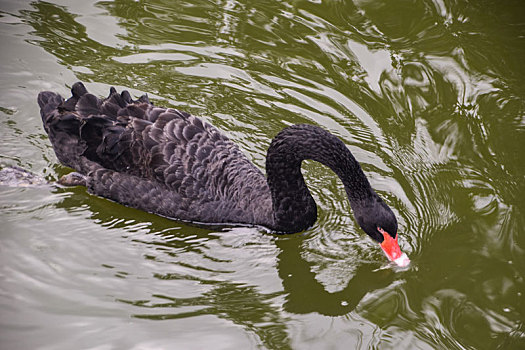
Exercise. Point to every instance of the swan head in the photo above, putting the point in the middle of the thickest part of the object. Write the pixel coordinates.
(379, 222)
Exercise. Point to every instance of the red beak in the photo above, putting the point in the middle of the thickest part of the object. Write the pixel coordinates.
(392, 250)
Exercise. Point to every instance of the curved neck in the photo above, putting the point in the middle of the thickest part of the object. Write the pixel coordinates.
(294, 209)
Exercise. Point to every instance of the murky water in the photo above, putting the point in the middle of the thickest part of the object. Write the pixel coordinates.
(429, 97)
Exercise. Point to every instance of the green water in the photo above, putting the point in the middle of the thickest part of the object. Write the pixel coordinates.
(429, 97)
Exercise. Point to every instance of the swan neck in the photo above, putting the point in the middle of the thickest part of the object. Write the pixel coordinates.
(294, 208)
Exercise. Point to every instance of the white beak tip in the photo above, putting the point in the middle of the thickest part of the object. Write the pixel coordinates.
(402, 261)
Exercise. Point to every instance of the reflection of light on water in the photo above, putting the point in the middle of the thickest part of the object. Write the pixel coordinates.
(229, 22)
(154, 56)
(374, 62)
(454, 69)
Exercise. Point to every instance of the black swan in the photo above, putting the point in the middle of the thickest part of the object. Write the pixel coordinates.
(171, 163)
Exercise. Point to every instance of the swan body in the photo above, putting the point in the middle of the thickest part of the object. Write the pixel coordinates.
(171, 163)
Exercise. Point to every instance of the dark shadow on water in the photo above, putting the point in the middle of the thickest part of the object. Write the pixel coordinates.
(304, 293)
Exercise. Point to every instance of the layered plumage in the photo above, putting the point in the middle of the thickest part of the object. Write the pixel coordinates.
(173, 164)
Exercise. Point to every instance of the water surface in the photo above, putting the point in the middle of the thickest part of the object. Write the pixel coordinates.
(429, 97)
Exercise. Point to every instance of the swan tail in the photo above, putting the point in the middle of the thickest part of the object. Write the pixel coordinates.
(48, 102)
(64, 121)
(88, 132)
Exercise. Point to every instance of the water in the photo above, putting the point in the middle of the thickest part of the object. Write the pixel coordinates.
(427, 95)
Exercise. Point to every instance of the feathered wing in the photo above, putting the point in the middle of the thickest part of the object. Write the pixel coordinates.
(160, 160)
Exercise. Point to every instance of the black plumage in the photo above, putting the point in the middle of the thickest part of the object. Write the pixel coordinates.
(171, 163)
